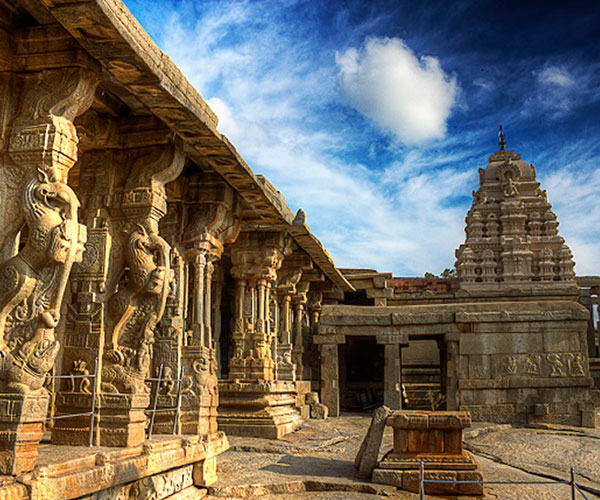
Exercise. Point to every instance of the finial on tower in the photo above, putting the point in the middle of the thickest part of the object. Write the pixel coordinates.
(501, 138)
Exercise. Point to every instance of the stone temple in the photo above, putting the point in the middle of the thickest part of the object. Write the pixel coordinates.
(157, 296)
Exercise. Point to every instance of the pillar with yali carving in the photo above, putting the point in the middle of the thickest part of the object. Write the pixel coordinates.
(209, 220)
(121, 289)
(40, 237)
(253, 402)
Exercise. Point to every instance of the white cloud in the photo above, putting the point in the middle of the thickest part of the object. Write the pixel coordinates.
(558, 89)
(555, 76)
(408, 96)
(270, 87)
(573, 186)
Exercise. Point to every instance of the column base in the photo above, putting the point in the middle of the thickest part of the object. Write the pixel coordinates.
(258, 409)
(22, 417)
(122, 421)
(286, 370)
(73, 431)
(199, 414)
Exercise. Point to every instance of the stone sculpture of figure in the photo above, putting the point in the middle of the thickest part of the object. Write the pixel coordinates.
(576, 366)
(532, 365)
(204, 378)
(136, 309)
(80, 384)
(510, 190)
(557, 367)
(167, 384)
(511, 365)
(33, 282)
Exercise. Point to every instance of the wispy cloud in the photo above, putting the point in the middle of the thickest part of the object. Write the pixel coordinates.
(559, 88)
(283, 98)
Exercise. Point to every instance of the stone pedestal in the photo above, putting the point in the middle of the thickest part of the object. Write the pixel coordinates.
(258, 409)
(73, 431)
(434, 438)
(122, 420)
(21, 421)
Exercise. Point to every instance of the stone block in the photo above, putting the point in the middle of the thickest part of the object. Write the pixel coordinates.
(562, 341)
(319, 411)
(21, 428)
(304, 411)
(368, 453)
(205, 472)
(479, 366)
(122, 419)
(497, 343)
(312, 398)
(590, 419)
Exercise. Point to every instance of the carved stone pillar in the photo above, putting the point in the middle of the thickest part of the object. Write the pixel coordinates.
(128, 267)
(39, 149)
(312, 362)
(211, 222)
(286, 369)
(330, 378)
(286, 286)
(299, 302)
(393, 343)
(253, 402)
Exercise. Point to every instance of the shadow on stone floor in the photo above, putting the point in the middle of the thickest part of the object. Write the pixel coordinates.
(312, 466)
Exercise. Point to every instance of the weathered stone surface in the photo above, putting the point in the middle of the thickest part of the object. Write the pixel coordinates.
(368, 454)
(319, 411)
(434, 439)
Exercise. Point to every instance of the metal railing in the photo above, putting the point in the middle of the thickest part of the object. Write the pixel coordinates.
(177, 408)
(575, 488)
(90, 413)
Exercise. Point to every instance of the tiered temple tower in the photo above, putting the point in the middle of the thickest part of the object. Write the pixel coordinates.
(512, 236)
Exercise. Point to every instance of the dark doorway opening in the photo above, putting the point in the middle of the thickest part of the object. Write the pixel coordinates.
(423, 374)
(362, 362)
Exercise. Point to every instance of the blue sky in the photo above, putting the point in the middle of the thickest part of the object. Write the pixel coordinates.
(375, 116)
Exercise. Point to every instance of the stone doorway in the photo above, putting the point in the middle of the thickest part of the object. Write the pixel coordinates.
(423, 374)
(362, 362)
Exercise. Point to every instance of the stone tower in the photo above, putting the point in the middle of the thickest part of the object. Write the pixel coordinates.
(512, 239)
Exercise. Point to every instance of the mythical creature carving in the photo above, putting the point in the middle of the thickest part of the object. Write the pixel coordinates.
(33, 282)
(135, 310)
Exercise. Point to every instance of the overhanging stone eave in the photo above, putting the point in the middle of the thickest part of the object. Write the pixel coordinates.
(111, 35)
(313, 247)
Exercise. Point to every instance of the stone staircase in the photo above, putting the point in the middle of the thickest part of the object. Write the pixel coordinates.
(418, 381)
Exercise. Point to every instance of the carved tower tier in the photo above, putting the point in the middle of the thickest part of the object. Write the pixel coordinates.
(512, 238)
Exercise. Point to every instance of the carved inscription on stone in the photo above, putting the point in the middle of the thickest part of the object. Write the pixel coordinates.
(545, 365)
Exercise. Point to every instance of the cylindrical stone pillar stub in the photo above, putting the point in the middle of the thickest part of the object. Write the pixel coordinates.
(198, 298)
(209, 268)
(298, 313)
(298, 349)
(240, 292)
(262, 285)
(286, 334)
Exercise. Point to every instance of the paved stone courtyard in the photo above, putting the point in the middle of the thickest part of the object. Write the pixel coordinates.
(316, 462)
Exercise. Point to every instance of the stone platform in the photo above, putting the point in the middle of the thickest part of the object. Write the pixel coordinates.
(435, 439)
(166, 467)
(258, 409)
